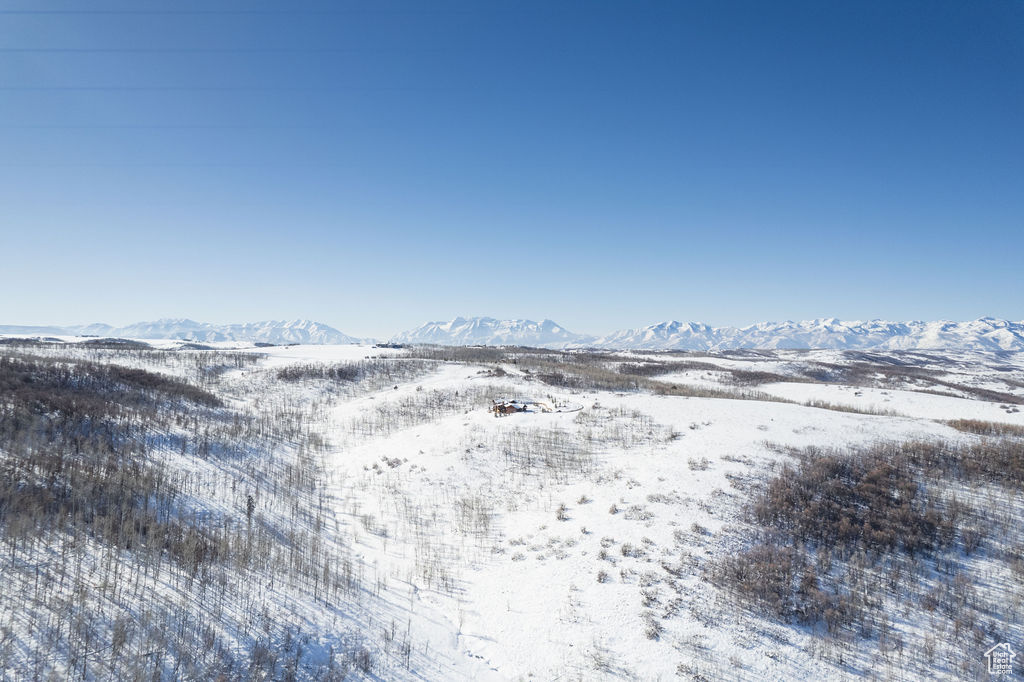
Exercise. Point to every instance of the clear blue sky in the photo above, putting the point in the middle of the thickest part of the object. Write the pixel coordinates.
(605, 164)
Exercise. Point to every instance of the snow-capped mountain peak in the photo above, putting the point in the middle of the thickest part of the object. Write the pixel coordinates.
(473, 331)
(827, 332)
(982, 334)
(985, 333)
(272, 331)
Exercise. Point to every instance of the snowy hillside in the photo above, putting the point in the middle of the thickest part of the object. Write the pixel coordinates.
(346, 512)
(295, 331)
(983, 334)
(488, 331)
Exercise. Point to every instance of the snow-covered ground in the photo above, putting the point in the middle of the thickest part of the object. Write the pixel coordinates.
(556, 546)
(529, 601)
(909, 403)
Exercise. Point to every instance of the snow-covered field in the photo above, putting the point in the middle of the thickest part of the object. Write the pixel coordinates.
(546, 546)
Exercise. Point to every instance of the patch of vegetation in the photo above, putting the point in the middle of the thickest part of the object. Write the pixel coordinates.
(108, 549)
(842, 537)
(899, 371)
(386, 369)
(993, 460)
(116, 344)
(852, 409)
(868, 502)
(986, 428)
(84, 390)
(658, 368)
(601, 371)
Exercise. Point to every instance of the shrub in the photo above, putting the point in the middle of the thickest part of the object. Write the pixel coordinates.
(861, 501)
(986, 428)
(701, 464)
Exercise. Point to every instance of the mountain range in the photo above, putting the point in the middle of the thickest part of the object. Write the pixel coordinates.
(295, 331)
(487, 331)
(982, 334)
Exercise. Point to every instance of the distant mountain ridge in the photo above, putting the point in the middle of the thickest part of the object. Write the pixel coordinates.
(488, 331)
(986, 333)
(983, 334)
(277, 332)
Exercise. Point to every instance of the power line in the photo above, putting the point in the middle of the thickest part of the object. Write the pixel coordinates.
(165, 126)
(242, 12)
(227, 88)
(215, 50)
(173, 164)
(291, 88)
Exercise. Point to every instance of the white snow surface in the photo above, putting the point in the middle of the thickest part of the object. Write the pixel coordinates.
(529, 603)
(522, 551)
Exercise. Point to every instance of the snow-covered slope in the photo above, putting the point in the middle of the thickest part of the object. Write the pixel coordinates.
(393, 528)
(983, 334)
(489, 331)
(295, 331)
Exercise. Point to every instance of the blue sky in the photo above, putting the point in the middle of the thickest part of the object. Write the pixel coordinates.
(607, 165)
